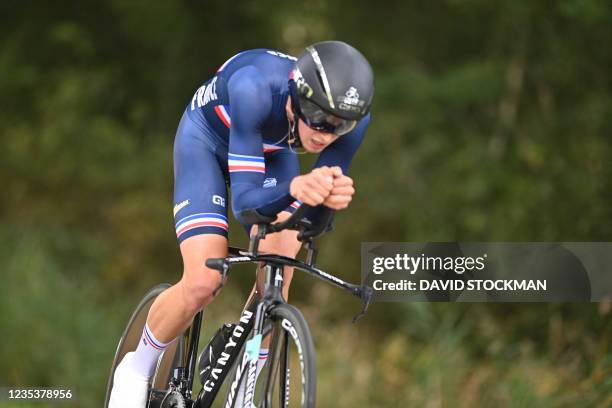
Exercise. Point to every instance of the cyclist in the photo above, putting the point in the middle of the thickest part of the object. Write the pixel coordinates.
(242, 129)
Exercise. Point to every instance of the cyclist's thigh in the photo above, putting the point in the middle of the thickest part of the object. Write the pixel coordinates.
(282, 243)
(200, 197)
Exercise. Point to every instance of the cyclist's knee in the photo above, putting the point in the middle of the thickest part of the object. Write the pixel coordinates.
(198, 287)
(199, 282)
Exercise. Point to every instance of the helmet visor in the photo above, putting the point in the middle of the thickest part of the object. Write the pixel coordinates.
(317, 119)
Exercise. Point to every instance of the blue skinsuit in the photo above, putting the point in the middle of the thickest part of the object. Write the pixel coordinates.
(234, 132)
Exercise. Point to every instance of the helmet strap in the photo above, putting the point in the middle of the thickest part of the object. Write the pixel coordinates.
(294, 141)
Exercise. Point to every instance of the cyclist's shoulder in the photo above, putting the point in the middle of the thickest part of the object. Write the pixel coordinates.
(267, 56)
(261, 66)
(247, 87)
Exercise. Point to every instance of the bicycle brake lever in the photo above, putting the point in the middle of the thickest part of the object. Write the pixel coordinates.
(223, 268)
(366, 296)
(217, 289)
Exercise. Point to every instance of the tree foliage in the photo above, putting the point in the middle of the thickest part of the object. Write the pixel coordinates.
(491, 121)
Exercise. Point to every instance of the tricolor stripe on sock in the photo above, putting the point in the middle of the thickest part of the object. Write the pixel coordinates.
(148, 338)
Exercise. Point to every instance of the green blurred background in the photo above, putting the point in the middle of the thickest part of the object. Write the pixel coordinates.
(492, 120)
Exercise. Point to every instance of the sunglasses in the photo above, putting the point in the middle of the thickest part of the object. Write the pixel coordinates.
(316, 118)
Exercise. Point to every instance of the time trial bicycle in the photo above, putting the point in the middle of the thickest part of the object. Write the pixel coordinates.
(235, 347)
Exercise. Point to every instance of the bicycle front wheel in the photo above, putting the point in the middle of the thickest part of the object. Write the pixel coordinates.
(289, 377)
(170, 358)
(291, 352)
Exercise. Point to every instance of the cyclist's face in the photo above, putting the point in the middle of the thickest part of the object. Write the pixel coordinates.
(314, 141)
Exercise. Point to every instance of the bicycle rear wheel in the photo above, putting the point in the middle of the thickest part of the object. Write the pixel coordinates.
(171, 357)
(289, 376)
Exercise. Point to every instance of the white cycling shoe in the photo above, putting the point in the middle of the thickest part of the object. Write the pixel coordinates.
(130, 389)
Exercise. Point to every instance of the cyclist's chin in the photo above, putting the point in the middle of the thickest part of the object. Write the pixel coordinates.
(313, 147)
(311, 150)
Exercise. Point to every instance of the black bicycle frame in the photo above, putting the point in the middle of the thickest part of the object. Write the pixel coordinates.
(211, 387)
(257, 307)
(247, 367)
(184, 374)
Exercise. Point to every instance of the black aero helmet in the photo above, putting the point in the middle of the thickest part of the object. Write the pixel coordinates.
(331, 86)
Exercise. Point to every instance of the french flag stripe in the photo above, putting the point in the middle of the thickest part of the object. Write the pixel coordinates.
(268, 148)
(233, 156)
(223, 115)
(296, 204)
(150, 340)
(227, 62)
(233, 169)
(201, 222)
(189, 227)
(241, 162)
(219, 217)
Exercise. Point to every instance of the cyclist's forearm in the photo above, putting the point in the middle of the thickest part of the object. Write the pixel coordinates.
(266, 201)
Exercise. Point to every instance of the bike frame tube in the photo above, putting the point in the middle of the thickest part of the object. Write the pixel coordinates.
(184, 373)
(273, 285)
(206, 397)
(192, 341)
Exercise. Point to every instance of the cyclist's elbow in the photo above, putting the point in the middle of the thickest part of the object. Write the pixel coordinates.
(239, 206)
(243, 212)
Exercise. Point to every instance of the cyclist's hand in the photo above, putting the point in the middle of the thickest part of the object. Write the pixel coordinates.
(313, 188)
(341, 193)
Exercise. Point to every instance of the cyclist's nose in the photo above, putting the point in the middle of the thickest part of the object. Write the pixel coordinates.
(327, 137)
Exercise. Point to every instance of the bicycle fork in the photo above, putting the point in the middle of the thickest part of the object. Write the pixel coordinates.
(248, 366)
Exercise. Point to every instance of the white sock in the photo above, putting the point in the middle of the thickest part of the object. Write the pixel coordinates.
(144, 359)
(263, 356)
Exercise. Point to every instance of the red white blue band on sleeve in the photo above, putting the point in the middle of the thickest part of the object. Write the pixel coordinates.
(201, 220)
(296, 204)
(244, 163)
